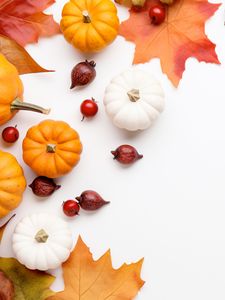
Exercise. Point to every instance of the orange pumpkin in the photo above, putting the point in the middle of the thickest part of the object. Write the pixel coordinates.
(51, 148)
(11, 91)
(89, 25)
(12, 183)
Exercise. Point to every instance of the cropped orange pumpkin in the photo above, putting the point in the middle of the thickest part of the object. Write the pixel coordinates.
(12, 183)
(11, 91)
(89, 25)
(51, 148)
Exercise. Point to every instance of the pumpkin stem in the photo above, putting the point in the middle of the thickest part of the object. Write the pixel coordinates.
(17, 104)
(41, 236)
(50, 148)
(86, 17)
(134, 95)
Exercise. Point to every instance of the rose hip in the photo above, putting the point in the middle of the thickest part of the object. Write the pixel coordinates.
(43, 186)
(126, 154)
(83, 74)
(91, 200)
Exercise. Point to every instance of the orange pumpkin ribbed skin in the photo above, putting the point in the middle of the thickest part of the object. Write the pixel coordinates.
(11, 88)
(94, 35)
(47, 136)
(12, 183)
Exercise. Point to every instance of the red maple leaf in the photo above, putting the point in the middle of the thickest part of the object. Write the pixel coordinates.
(181, 36)
(24, 21)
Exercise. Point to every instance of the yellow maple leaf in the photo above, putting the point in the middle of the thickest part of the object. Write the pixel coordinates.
(86, 279)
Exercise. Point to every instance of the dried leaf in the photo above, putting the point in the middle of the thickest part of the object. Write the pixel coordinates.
(19, 57)
(87, 279)
(181, 36)
(28, 285)
(24, 21)
(3, 227)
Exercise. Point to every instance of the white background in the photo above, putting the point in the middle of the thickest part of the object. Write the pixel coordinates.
(169, 207)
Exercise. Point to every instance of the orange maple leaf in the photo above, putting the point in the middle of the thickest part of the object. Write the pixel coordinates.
(180, 36)
(24, 21)
(86, 279)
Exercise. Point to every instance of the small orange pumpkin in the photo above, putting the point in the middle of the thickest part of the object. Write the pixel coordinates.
(11, 91)
(12, 183)
(89, 25)
(51, 148)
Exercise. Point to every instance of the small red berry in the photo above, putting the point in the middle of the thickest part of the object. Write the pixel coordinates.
(71, 208)
(89, 108)
(157, 14)
(10, 134)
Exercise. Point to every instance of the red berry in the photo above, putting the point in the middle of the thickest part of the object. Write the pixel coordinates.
(71, 208)
(157, 14)
(89, 108)
(10, 134)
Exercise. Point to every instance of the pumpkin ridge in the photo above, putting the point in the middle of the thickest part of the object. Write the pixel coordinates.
(52, 250)
(10, 205)
(99, 3)
(7, 179)
(41, 130)
(76, 5)
(37, 128)
(63, 147)
(68, 140)
(29, 156)
(106, 24)
(34, 159)
(34, 141)
(141, 108)
(99, 33)
(64, 161)
(152, 105)
(148, 113)
(3, 212)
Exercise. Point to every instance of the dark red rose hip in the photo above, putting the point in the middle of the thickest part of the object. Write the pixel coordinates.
(91, 200)
(43, 186)
(126, 154)
(83, 73)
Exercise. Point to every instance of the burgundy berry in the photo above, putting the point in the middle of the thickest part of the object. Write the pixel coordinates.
(91, 200)
(83, 73)
(157, 14)
(71, 208)
(126, 154)
(10, 134)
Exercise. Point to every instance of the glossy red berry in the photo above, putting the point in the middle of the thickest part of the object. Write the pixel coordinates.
(10, 134)
(89, 108)
(157, 14)
(71, 208)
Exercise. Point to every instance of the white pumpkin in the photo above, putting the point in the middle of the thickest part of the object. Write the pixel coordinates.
(134, 99)
(42, 241)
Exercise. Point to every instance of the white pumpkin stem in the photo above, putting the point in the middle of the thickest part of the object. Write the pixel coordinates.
(50, 148)
(41, 236)
(86, 17)
(134, 95)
